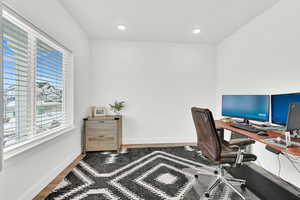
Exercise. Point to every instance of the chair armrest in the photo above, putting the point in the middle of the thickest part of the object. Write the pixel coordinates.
(234, 147)
(237, 154)
(241, 142)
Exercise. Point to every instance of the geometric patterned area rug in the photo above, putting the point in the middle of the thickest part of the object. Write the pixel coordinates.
(143, 174)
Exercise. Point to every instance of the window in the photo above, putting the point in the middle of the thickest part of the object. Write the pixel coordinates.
(37, 81)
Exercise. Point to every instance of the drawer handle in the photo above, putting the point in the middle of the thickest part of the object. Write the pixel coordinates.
(101, 121)
(101, 136)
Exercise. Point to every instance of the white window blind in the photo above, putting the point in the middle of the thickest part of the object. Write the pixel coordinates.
(36, 81)
(49, 87)
(16, 72)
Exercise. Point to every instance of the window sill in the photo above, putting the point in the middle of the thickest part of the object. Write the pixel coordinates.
(16, 149)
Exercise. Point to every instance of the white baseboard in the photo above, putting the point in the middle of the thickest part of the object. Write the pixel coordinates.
(162, 140)
(35, 189)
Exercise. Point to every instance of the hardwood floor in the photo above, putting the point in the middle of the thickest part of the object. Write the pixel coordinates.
(47, 190)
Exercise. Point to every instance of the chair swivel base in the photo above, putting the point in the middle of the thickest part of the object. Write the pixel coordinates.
(221, 179)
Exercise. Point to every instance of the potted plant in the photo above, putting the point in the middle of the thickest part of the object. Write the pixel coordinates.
(117, 107)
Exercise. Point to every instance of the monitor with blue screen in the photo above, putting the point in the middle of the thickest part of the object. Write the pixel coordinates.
(253, 107)
(280, 106)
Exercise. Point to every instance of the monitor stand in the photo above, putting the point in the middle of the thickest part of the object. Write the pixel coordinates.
(245, 121)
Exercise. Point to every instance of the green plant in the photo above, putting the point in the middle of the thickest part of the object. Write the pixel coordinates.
(117, 106)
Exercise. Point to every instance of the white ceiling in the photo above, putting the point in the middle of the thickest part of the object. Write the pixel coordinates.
(164, 20)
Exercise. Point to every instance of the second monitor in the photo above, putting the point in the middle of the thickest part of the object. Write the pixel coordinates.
(247, 107)
(280, 106)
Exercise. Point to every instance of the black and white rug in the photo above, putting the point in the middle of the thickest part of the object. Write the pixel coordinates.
(142, 174)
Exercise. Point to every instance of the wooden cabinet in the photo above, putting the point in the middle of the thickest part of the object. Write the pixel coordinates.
(103, 133)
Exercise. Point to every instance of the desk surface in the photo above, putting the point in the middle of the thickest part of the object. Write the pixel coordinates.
(295, 150)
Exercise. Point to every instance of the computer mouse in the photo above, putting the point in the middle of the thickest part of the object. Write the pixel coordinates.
(262, 133)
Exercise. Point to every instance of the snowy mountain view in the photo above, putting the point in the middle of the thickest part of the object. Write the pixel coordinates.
(47, 93)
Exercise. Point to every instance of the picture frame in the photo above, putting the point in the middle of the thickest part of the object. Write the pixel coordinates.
(99, 111)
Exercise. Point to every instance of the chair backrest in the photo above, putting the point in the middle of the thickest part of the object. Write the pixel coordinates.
(208, 138)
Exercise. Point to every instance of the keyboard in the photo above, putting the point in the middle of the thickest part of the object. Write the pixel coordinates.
(246, 127)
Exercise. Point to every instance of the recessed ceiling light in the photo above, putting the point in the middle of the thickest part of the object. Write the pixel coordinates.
(196, 31)
(121, 27)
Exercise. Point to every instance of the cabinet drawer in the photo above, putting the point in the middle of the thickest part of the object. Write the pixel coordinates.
(101, 128)
(101, 124)
(102, 139)
(94, 143)
(101, 132)
(101, 121)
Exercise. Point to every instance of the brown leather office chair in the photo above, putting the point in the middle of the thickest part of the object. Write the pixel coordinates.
(218, 152)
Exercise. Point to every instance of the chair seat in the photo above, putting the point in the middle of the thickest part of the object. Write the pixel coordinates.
(230, 157)
(241, 142)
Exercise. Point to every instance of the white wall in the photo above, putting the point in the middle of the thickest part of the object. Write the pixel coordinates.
(263, 58)
(25, 175)
(159, 82)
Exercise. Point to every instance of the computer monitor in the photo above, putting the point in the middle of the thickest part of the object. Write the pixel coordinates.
(248, 107)
(280, 106)
(293, 120)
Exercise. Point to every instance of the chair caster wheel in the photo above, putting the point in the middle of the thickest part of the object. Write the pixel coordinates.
(196, 176)
(206, 194)
(216, 172)
(243, 186)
